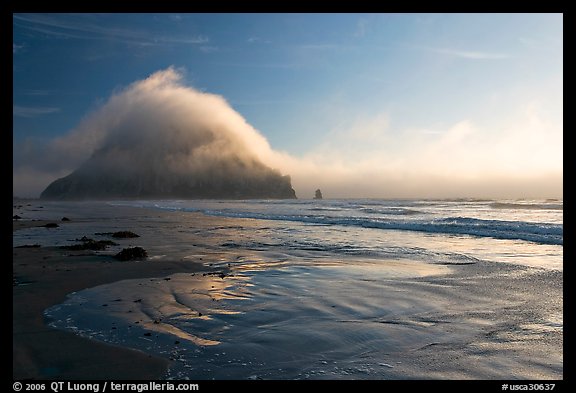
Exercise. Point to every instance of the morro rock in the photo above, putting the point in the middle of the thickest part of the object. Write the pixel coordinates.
(104, 177)
(159, 139)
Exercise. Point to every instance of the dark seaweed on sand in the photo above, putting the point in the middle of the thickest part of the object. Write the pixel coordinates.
(124, 235)
(90, 244)
(118, 235)
(29, 246)
(131, 253)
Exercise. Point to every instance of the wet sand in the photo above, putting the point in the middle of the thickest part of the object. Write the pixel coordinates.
(470, 321)
(44, 276)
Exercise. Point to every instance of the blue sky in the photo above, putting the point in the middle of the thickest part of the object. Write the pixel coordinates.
(344, 91)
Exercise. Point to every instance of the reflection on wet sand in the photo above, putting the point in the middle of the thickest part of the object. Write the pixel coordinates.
(339, 319)
(228, 298)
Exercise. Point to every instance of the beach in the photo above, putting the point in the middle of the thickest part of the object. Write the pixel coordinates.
(41, 352)
(225, 298)
(46, 276)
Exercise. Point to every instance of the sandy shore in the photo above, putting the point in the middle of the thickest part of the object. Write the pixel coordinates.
(477, 320)
(45, 275)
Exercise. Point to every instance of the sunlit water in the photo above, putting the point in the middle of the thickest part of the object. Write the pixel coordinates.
(318, 289)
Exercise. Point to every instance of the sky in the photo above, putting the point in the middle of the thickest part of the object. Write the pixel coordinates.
(358, 105)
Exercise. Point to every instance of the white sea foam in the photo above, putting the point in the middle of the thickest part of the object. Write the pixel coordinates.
(538, 222)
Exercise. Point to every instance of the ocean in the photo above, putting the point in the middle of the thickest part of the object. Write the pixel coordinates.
(516, 231)
(330, 289)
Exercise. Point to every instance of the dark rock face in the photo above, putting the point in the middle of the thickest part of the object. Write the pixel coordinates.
(318, 194)
(100, 178)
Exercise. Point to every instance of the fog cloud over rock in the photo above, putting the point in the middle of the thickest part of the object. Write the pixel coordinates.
(161, 139)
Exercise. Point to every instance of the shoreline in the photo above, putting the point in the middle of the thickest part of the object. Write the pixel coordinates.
(494, 314)
(44, 277)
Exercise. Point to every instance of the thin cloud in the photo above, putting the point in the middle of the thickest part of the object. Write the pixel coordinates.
(62, 27)
(16, 48)
(320, 46)
(46, 92)
(35, 92)
(209, 49)
(258, 40)
(541, 43)
(361, 27)
(262, 102)
(27, 111)
(259, 65)
(474, 55)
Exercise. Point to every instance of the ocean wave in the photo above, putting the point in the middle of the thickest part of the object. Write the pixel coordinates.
(324, 209)
(400, 211)
(498, 229)
(361, 214)
(512, 230)
(530, 206)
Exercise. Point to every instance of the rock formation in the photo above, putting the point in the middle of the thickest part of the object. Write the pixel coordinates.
(161, 139)
(228, 180)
